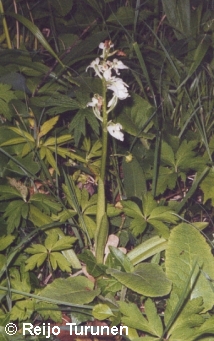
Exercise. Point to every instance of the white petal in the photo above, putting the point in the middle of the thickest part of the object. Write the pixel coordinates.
(114, 130)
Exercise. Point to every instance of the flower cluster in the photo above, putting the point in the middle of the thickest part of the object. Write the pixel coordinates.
(104, 69)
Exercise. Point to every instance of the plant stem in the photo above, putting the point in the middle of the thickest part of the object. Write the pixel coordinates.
(4, 22)
(102, 225)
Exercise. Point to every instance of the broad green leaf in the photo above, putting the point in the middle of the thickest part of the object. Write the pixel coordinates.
(122, 258)
(124, 16)
(134, 178)
(185, 247)
(76, 290)
(135, 117)
(102, 312)
(25, 165)
(147, 249)
(147, 279)
(179, 16)
(63, 7)
(47, 126)
(93, 268)
(109, 285)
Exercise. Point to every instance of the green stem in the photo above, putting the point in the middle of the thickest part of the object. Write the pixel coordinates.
(4, 22)
(102, 225)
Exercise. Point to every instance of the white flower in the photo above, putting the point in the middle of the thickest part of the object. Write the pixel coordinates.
(93, 103)
(115, 130)
(112, 103)
(97, 68)
(118, 87)
(117, 64)
(106, 46)
(96, 104)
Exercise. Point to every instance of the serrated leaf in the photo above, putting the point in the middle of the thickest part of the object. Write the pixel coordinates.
(57, 259)
(5, 241)
(78, 124)
(76, 290)
(35, 261)
(153, 317)
(133, 317)
(64, 243)
(48, 310)
(47, 126)
(147, 279)
(36, 248)
(6, 95)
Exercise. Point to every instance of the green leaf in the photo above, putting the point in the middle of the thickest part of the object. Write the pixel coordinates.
(58, 260)
(5, 241)
(133, 317)
(78, 124)
(6, 95)
(13, 214)
(63, 7)
(36, 248)
(76, 290)
(37, 33)
(134, 178)
(109, 285)
(207, 186)
(185, 246)
(48, 310)
(102, 312)
(179, 16)
(47, 126)
(147, 249)
(135, 117)
(153, 317)
(147, 279)
(35, 261)
(123, 16)
(93, 268)
(122, 258)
